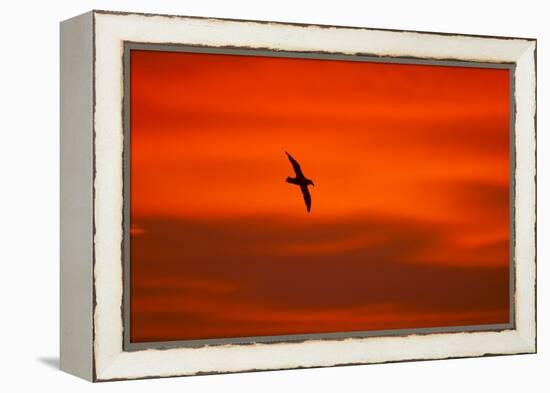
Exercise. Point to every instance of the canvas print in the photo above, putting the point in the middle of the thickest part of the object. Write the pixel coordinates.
(276, 195)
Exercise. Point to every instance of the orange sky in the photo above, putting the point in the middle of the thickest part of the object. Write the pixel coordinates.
(409, 224)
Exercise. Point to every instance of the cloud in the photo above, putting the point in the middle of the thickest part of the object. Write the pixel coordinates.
(136, 230)
(196, 276)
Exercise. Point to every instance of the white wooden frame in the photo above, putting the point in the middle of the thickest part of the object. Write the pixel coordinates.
(92, 143)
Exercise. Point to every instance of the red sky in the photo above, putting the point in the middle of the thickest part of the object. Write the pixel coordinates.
(409, 224)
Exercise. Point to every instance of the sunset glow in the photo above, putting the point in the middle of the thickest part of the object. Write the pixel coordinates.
(409, 225)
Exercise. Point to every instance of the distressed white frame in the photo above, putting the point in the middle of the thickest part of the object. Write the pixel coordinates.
(111, 30)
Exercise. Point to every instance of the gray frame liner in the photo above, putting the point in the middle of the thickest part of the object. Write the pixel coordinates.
(129, 346)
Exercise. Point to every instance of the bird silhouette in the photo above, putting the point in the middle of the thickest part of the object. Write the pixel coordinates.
(300, 180)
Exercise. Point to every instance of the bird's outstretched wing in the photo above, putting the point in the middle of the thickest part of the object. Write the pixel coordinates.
(295, 165)
(307, 197)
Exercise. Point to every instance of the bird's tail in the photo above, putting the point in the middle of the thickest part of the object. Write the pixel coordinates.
(292, 180)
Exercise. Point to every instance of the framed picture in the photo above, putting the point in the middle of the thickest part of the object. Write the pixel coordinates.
(246, 195)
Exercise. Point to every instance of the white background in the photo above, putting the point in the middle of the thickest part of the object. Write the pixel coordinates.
(29, 197)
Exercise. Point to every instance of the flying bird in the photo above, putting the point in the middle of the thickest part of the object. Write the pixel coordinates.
(300, 180)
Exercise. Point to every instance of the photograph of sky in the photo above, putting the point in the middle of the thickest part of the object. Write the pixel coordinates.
(409, 224)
